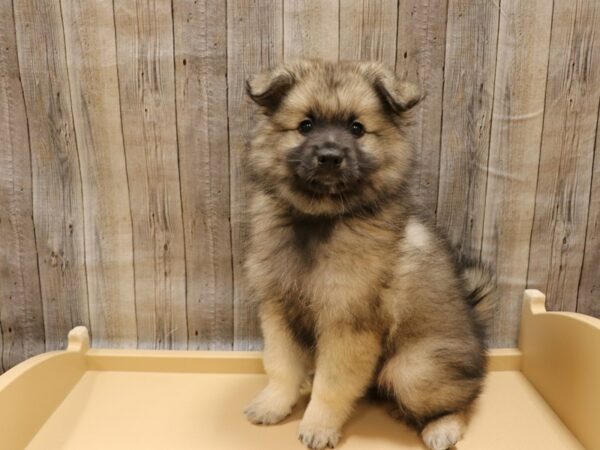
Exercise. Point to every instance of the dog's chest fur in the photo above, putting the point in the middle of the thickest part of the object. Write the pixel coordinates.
(322, 272)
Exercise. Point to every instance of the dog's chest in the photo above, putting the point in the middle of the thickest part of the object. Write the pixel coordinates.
(310, 240)
(324, 273)
(328, 262)
(305, 254)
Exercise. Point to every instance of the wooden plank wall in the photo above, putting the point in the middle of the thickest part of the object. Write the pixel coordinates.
(144, 44)
(123, 126)
(514, 149)
(21, 310)
(200, 60)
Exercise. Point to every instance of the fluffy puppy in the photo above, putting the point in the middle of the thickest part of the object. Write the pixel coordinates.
(354, 284)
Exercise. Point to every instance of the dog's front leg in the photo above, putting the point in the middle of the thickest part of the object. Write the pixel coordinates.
(346, 360)
(286, 366)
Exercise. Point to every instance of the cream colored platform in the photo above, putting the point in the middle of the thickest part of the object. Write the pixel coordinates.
(105, 399)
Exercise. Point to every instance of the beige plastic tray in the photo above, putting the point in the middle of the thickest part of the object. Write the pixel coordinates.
(545, 396)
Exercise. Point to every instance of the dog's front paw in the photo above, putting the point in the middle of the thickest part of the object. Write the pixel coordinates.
(318, 437)
(268, 408)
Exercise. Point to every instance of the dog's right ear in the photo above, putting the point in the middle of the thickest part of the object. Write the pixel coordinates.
(269, 88)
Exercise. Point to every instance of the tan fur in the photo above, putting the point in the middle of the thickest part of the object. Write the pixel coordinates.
(287, 365)
(353, 283)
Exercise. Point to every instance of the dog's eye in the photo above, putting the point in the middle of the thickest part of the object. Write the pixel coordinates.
(305, 126)
(357, 129)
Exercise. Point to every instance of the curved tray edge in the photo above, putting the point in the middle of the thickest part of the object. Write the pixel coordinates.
(561, 358)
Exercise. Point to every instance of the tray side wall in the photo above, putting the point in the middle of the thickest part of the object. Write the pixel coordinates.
(561, 358)
(31, 391)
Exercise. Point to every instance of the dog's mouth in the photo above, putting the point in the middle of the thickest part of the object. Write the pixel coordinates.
(317, 183)
(329, 171)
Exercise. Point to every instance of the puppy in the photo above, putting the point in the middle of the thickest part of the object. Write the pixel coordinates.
(354, 284)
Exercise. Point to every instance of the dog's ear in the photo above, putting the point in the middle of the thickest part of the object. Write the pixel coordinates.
(269, 88)
(397, 94)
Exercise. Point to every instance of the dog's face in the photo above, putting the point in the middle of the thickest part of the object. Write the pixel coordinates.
(331, 138)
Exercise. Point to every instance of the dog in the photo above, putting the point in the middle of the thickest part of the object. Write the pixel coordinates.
(355, 287)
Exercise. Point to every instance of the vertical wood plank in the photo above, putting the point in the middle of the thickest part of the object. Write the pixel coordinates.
(421, 50)
(563, 191)
(254, 42)
(471, 38)
(92, 61)
(147, 92)
(21, 315)
(588, 299)
(311, 29)
(201, 96)
(368, 30)
(521, 67)
(57, 199)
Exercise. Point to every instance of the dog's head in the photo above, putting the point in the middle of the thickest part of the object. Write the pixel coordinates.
(331, 138)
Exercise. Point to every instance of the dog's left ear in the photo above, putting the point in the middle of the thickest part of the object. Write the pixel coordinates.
(269, 88)
(399, 95)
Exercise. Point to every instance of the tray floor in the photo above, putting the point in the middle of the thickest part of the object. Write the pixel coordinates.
(179, 411)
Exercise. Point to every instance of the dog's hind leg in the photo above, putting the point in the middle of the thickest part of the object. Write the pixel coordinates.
(434, 382)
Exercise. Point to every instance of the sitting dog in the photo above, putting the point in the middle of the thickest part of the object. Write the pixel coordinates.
(354, 283)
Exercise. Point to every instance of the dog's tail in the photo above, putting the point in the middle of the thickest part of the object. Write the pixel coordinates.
(481, 291)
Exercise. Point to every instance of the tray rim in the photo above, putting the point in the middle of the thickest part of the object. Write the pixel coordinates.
(535, 359)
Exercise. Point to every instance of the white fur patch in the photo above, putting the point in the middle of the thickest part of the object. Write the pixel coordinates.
(417, 234)
(443, 433)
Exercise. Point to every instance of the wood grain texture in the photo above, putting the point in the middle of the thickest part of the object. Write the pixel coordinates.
(255, 43)
(420, 59)
(368, 30)
(311, 29)
(92, 61)
(471, 38)
(523, 47)
(565, 168)
(21, 318)
(144, 36)
(588, 298)
(201, 79)
(57, 198)
(124, 125)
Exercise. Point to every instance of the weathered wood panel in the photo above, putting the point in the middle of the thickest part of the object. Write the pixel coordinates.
(311, 29)
(368, 30)
(57, 198)
(21, 318)
(254, 43)
(420, 58)
(523, 45)
(144, 37)
(129, 128)
(201, 97)
(565, 168)
(588, 298)
(471, 38)
(92, 61)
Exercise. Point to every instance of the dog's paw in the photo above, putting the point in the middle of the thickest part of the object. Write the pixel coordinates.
(317, 438)
(262, 413)
(268, 408)
(443, 433)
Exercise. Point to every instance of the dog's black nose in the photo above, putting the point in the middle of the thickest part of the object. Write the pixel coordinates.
(329, 157)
